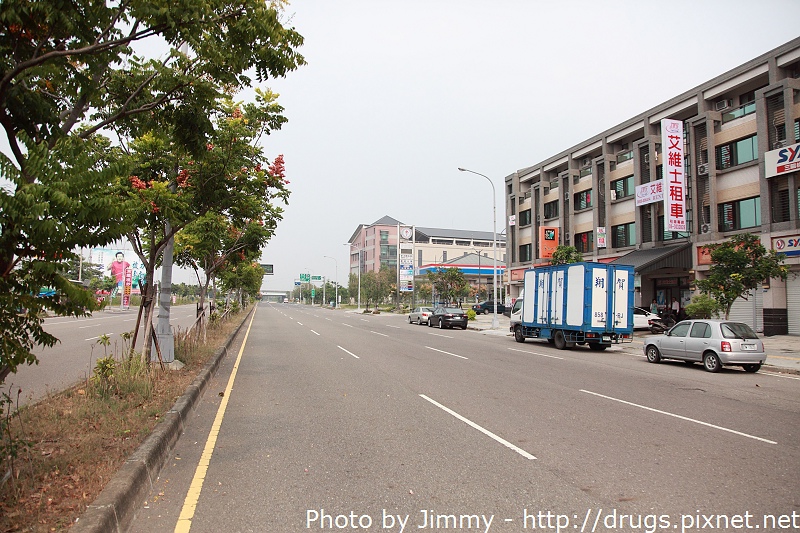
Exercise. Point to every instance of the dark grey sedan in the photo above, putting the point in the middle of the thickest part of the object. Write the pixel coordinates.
(447, 317)
(715, 343)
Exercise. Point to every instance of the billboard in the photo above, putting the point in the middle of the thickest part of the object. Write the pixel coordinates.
(548, 241)
(782, 161)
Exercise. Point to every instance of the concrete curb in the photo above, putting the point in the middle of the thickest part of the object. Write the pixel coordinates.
(116, 505)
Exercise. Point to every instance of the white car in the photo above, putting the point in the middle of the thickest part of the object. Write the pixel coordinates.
(640, 318)
(420, 315)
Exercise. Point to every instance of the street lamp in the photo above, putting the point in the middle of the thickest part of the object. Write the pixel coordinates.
(495, 323)
(336, 280)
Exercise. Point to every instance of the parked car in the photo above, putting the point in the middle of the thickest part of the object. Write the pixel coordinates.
(447, 317)
(715, 343)
(641, 318)
(420, 315)
(484, 308)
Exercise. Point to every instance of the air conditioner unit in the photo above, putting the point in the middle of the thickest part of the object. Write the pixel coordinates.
(545, 191)
(566, 195)
(646, 158)
(702, 169)
(613, 194)
(722, 105)
(586, 162)
(705, 228)
(778, 144)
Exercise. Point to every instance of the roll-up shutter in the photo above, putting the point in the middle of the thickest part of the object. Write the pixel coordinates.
(793, 303)
(750, 311)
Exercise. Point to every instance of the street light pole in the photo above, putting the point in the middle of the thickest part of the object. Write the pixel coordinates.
(495, 323)
(335, 281)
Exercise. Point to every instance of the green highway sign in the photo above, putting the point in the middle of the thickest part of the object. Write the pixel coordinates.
(316, 278)
(268, 271)
(305, 278)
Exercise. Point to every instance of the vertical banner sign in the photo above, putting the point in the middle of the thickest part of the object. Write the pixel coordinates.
(601, 236)
(126, 292)
(672, 147)
(406, 261)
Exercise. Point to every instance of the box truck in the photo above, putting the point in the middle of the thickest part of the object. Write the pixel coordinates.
(577, 303)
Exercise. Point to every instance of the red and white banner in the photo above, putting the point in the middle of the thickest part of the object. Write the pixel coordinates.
(674, 179)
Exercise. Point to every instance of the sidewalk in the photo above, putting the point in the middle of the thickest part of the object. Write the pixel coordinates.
(783, 351)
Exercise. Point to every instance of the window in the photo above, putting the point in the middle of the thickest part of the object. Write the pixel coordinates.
(583, 200)
(737, 153)
(384, 236)
(623, 235)
(551, 209)
(740, 214)
(584, 242)
(525, 218)
(739, 112)
(700, 330)
(622, 188)
(525, 253)
(444, 256)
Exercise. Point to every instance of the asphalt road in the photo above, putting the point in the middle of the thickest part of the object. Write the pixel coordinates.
(72, 359)
(329, 421)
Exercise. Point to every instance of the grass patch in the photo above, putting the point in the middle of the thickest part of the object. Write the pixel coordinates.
(58, 454)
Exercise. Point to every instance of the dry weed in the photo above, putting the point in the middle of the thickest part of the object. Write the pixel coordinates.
(69, 445)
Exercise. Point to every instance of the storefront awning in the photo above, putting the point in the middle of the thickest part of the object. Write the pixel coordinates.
(644, 261)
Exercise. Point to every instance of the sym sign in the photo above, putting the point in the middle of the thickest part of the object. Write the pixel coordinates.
(787, 245)
(782, 160)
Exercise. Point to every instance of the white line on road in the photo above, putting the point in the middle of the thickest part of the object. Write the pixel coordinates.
(775, 374)
(680, 417)
(348, 325)
(479, 428)
(351, 353)
(314, 332)
(390, 326)
(536, 353)
(448, 353)
(95, 338)
(299, 323)
(89, 326)
(440, 335)
(381, 334)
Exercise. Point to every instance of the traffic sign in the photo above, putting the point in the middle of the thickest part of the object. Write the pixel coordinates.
(305, 278)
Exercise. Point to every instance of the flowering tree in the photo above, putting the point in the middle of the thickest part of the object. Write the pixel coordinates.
(226, 193)
(68, 72)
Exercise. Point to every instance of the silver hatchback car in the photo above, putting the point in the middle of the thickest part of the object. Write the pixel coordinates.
(715, 343)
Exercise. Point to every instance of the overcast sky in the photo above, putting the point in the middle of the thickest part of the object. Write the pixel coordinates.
(397, 95)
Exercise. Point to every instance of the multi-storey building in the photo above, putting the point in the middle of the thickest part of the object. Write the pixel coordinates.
(373, 246)
(738, 130)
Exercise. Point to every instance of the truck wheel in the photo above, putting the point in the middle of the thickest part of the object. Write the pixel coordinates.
(597, 347)
(518, 336)
(559, 340)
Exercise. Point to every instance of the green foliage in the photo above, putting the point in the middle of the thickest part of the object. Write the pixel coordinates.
(449, 284)
(565, 254)
(103, 375)
(67, 207)
(471, 314)
(703, 306)
(69, 71)
(739, 265)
